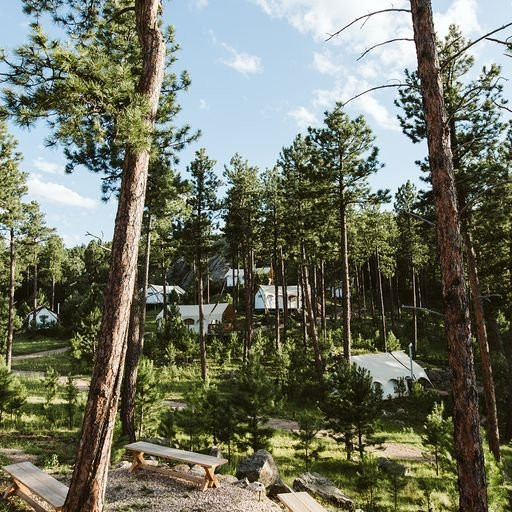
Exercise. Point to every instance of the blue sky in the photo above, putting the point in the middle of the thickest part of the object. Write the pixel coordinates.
(261, 72)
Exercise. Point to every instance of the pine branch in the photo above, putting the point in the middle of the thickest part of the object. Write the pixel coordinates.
(431, 311)
(472, 43)
(386, 86)
(368, 50)
(366, 17)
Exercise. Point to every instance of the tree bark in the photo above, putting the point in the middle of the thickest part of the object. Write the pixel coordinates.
(467, 440)
(284, 289)
(202, 339)
(384, 333)
(414, 314)
(135, 341)
(164, 289)
(34, 298)
(322, 298)
(277, 320)
(481, 332)
(11, 312)
(345, 283)
(88, 483)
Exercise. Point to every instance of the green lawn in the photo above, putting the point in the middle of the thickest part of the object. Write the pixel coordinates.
(63, 363)
(23, 345)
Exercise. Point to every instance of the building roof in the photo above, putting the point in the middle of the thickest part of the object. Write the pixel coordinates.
(387, 366)
(157, 288)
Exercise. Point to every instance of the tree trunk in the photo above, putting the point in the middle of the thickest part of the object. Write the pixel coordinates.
(467, 440)
(135, 341)
(384, 333)
(322, 298)
(34, 298)
(508, 356)
(398, 305)
(247, 289)
(53, 294)
(414, 314)
(284, 290)
(311, 317)
(391, 302)
(88, 483)
(164, 289)
(370, 286)
(202, 338)
(345, 282)
(481, 332)
(300, 289)
(11, 312)
(277, 319)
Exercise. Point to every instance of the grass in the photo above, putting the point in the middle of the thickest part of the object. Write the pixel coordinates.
(23, 345)
(63, 363)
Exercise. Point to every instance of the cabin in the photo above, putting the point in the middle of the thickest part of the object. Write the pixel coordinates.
(155, 293)
(239, 275)
(44, 318)
(265, 298)
(219, 316)
(388, 367)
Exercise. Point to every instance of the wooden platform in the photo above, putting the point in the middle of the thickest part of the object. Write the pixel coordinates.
(207, 462)
(300, 502)
(29, 481)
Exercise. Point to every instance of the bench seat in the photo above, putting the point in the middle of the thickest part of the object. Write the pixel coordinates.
(208, 462)
(300, 502)
(29, 480)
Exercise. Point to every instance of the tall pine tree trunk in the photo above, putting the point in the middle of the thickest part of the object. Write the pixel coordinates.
(202, 337)
(481, 332)
(164, 289)
(382, 308)
(277, 319)
(322, 299)
(135, 341)
(247, 290)
(370, 286)
(414, 314)
(88, 483)
(11, 312)
(34, 293)
(391, 301)
(284, 290)
(301, 289)
(345, 281)
(467, 440)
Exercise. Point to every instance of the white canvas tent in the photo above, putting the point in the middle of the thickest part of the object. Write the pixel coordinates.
(239, 274)
(386, 368)
(44, 317)
(155, 293)
(265, 298)
(213, 314)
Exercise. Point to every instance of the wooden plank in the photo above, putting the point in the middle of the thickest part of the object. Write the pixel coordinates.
(32, 480)
(177, 474)
(30, 501)
(175, 454)
(300, 502)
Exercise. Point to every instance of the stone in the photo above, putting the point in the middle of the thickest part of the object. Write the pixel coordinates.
(125, 465)
(256, 487)
(390, 466)
(277, 488)
(260, 467)
(182, 468)
(321, 487)
(197, 470)
(228, 479)
(215, 452)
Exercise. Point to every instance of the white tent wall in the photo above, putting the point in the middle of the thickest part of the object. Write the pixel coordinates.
(213, 314)
(265, 298)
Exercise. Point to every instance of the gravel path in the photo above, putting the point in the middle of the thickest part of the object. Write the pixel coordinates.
(34, 355)
(154, 492)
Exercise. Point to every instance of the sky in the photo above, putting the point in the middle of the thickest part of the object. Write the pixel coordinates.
(262, 71)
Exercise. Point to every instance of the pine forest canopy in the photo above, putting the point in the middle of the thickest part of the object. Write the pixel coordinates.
(368, 272)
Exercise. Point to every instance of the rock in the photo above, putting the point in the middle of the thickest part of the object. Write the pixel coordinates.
(125, 465)
(156, 440)
(277, 488)
(197, 470)
(256, 487)
(260, 467)
(390, 466)
(228, 479)
(400, 411)
(215, 452)
(243, 483)
(322, 487)
(181, 468)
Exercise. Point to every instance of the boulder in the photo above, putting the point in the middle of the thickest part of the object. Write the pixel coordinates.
(181, 468)
(197, 470)
(228, 479)
(321, 487)
(256, 487)
(215, 452)
(391, 467)
(260, 467)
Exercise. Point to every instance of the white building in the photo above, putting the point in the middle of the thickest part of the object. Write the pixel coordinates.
(214, 314)
(44, 317)
(239, 275)
(155, 293)
(387, 367)
(265, 298)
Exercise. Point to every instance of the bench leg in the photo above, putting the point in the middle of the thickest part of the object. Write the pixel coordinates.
(211, 479)
(9, 491)
(138, 460)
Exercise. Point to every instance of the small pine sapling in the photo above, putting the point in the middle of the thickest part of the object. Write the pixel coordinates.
(308, 445)
(438, 436)
(72, 395)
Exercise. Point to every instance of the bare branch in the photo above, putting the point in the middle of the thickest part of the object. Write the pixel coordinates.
(387, 86)
(120, 13)
(472, 43)
(368, 50)
(104, 247)
(431, 311)
(419, 217)
(499, 41)
(365, 17)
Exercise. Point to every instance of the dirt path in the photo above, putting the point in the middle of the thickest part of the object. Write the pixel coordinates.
(34, 355)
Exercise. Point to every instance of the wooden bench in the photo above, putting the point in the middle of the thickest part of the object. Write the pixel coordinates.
(205, 461)
(29, 481)
(300, 502)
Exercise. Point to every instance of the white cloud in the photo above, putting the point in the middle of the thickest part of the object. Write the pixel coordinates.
(199, 4)
(303, 117)
(46, 166)
(203, 105)
(324, 63)
(242, 62)
(56, 193)
(463, 13)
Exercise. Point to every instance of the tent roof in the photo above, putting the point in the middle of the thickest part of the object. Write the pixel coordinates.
(389, 365)
(262, 270)
(210, 311)
(270, 290)
(43, 308)
(157, 288)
